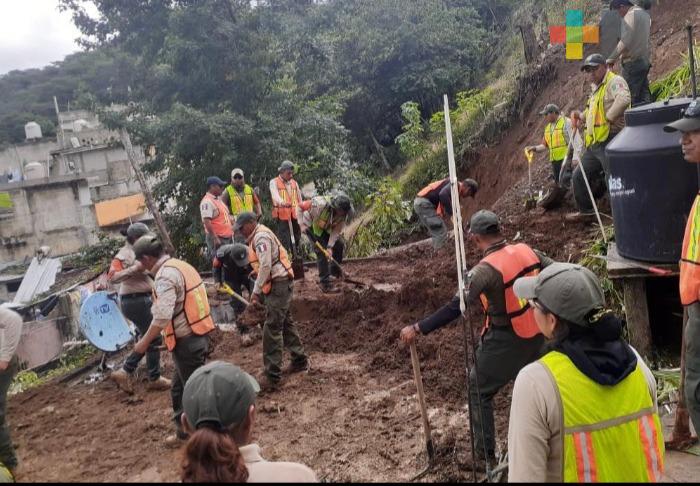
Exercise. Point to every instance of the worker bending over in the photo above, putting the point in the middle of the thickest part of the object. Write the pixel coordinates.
(510, 339)
(586, 411)
(634, 49)
(181, 313)
(135, 301)
(231, 267)
(215, 217)
(323, 219)
(604, 119)
(689, 126)
(274, 285)
(433, 205)
(240, 197)
(286, 199)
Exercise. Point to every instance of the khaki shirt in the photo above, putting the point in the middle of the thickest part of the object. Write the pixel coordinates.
(170, 289)
(130, 281)
(535, 426)
(262, 471)
(616, 100)
(635, 37)
(208, 209)
(10, 333)
(308, 218)
(268, 251)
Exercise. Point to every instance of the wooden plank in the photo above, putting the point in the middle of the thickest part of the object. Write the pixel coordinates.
(626, 268)
(636, 308)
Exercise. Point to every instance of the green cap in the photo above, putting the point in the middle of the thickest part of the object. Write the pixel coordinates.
(550, 108)
(569, 291)
(238, 252)
(146, 244)
(136, 231)
(243, 218)
(286, 165)
(484, 223)
(219, 393)
(472, 184)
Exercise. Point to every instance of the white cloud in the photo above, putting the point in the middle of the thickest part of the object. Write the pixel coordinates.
(33, 34)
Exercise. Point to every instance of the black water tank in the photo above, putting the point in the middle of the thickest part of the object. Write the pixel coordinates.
(652, 187)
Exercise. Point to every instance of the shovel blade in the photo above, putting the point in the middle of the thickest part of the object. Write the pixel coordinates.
(298, 268)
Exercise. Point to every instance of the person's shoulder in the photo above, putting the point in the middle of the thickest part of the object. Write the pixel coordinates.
(273, 472)
(618, 83)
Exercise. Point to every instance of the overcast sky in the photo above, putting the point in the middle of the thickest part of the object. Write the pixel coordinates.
(33, 34)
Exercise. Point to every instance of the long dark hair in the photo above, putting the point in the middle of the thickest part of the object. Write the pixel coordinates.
(212, 456)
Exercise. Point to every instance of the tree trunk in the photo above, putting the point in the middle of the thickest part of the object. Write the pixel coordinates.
(135, 161)
(380, 151)
(530, 44)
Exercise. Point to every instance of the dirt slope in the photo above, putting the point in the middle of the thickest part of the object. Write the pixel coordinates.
(354, 417)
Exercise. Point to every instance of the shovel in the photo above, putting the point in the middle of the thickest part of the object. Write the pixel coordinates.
(531, 201)
(343, 273)
(225, 289)
(297, 260)
(429, 447)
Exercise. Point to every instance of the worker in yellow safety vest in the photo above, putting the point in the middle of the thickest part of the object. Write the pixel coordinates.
(558, 132)
(586, 411)
(240, 197)
(604, 119)
(180, 313)
(274, 285)
(689, 126)
(286, 199)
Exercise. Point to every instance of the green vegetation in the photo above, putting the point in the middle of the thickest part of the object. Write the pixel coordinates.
(97, 256)
(613, 297)
(70, 360)
(668, 382)
(675, 83)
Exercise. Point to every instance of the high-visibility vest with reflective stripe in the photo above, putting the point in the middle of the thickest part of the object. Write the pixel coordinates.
(513, 262)
(430, 188)
(611, 433)
(690, 257)
(221, 224)
(556, 141)
(321, 224)
(238, 204)
(282, 258)
(597, 125)
(285, 214)
(195, 307)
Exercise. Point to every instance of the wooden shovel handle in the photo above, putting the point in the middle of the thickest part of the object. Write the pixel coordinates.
(421, 401)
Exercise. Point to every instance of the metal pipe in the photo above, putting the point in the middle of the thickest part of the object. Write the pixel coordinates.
(691, 59)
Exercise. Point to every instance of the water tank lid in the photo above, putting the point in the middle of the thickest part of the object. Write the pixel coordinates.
(660, 112)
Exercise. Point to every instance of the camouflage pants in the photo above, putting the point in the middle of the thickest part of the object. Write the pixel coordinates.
(280, 331)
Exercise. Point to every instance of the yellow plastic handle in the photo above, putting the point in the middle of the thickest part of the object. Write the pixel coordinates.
(225, 289)
(529, 155)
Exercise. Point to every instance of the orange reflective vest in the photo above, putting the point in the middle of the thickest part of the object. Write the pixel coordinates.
(282, 257)
(690, 257)
(222, 222)
(196, 306)
(430, 188)
(291, 197)
(513, 262)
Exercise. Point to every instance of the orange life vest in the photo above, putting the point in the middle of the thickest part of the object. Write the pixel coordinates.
(196, 305)
(282, 258)
(285, 214)
(513, 262)
(690, 257)
(222, 222)
(430, 188)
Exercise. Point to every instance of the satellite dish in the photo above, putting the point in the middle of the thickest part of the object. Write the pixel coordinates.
(103, 324)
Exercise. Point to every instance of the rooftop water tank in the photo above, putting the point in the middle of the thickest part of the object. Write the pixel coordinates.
(35, 170)
(652, 187)
(32, 131)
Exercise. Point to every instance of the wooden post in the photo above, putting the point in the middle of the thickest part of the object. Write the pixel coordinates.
(636, 308)
(680, 436)
(135, 161)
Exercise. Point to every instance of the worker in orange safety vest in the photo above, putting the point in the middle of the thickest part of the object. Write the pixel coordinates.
(215, 217)
(286, 199)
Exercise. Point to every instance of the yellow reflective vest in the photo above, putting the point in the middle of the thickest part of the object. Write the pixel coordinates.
(597, 124)
(611, 433)
(555, 139)
(238, 204)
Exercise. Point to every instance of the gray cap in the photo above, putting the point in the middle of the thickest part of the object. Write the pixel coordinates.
(286, 165)
(472, 184)
(236, 172)
(550, 108)
(484, 223)
(594, 60)
(569, 291)
(243, 218)
(136, 231)
(690, 121)
(219, 393)
(147, 243)
(238, 252)
(615, 4)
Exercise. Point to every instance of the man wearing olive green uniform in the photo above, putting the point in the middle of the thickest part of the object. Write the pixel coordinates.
(273, 288)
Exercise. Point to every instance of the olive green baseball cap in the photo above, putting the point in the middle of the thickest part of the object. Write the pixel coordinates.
(484, 222)
(569, 291)
(219, 393)
(550, 108)
(147, 243)
(243, 218)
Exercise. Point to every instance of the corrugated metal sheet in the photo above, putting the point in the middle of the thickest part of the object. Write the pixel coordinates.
(121, 209)
(38, 279)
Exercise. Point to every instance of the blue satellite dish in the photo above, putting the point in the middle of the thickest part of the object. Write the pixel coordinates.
(103, 324)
